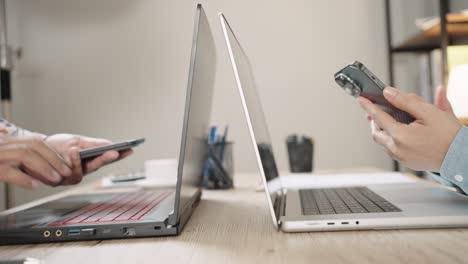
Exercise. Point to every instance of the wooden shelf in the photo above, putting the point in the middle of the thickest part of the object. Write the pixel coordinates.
(429, 39)
(463, 120)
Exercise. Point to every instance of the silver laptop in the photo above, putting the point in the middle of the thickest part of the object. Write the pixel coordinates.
(383, 206)
(142, 213)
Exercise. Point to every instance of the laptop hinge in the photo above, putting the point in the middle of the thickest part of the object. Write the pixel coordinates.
(280, 205)
(173, 219)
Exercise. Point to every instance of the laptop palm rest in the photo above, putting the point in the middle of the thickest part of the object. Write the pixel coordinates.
(43, 214)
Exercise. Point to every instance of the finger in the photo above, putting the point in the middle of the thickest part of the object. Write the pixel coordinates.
(87, 142)
(13, 175)
(52, 157)
(441, 100)
(102, 160)
(125, 153)
(94, 165)
(369, 118)
(380, 117)
(385, 140)
(381, 137)
(77, 168)
(39, 177)
(375, 127)
(410, 103)
(21, 155)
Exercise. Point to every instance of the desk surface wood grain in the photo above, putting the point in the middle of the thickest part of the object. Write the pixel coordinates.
(235, 227)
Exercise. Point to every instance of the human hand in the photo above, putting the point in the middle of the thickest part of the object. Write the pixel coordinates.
(420, 145)
(69, 146)
(441, 101)
(23, 162)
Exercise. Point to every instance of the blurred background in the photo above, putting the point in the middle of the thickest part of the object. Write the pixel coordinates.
(118, 69)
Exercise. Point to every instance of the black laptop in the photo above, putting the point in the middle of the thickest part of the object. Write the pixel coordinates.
(144, 213)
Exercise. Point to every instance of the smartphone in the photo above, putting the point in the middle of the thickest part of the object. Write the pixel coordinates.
(357, 81)
(91, 153)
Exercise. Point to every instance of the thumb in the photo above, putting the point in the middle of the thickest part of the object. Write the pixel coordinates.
(441, 100)
(410, 103)
(88, 142)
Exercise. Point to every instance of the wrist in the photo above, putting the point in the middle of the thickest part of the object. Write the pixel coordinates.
(26, 134)
(455, 159)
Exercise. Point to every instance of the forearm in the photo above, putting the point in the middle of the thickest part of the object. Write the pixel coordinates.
(10, 131)
(455, 165)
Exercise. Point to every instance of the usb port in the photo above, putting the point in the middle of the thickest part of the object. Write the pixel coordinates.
(344, 223)
(74, 232)
(88, 232)
(330, 223)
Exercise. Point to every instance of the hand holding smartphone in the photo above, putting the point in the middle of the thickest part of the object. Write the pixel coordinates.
(91, 153)
(357, 81)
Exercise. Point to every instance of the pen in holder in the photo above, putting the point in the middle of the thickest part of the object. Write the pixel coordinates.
(219, 167)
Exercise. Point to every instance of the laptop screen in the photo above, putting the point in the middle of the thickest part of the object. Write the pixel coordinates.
(254, 114)
(197, 113)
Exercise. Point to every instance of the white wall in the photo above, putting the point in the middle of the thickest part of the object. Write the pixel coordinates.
(118, 69)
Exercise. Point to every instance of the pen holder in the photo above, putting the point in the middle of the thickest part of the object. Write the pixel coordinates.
(219, 166)
(301, 153)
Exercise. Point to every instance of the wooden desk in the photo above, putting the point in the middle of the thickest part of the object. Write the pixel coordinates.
(235, 227)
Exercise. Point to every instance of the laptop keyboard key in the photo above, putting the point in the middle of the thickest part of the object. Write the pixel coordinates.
(356, 200)
(124, 207)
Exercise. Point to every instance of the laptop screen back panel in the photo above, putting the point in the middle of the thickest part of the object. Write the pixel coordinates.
(197, 116)
(255, 119)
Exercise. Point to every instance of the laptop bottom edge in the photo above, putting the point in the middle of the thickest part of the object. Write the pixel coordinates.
(375, 224)
(86, 233)
(98, 232)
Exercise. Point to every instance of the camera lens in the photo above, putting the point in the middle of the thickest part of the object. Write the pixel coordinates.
(352, 90)
(340, 80)
(348, 84)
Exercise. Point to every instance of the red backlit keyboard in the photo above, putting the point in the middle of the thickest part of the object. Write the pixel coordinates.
(123, 207)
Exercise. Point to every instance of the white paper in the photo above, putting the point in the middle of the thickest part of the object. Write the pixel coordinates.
(158, 173)
(108, 183)
(295, 181)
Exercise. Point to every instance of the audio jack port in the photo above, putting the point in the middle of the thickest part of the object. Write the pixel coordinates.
(58, 233)
(46, 233)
